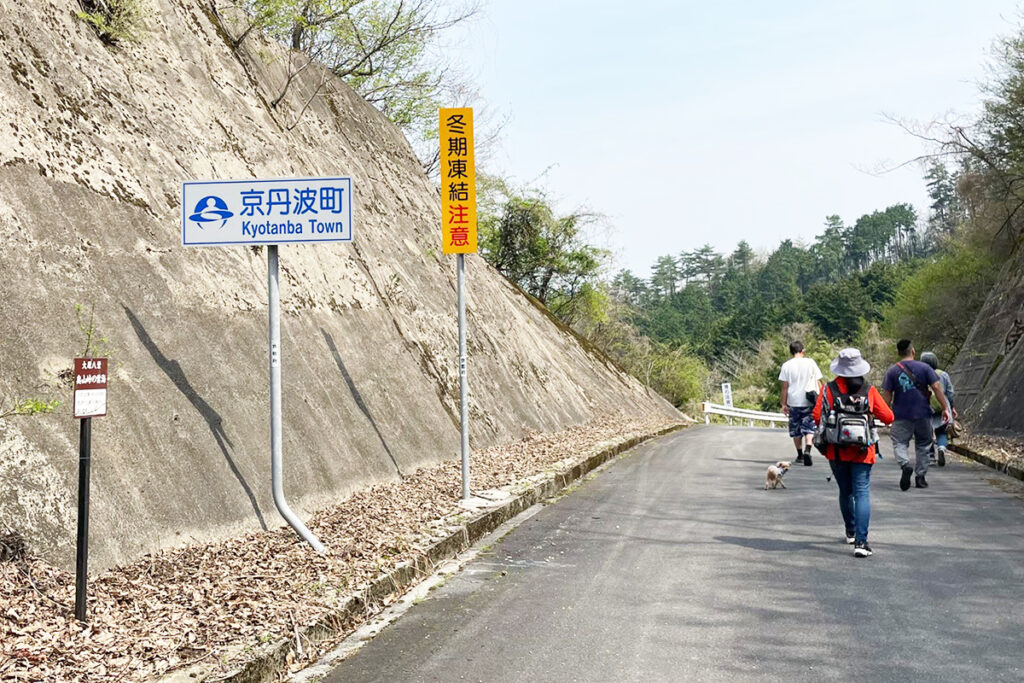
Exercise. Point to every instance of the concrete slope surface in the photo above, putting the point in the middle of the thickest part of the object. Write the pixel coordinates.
(95, 142)
(676, 565)
(988, 374)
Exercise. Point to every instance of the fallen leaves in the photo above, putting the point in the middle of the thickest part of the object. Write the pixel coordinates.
(1008, 451)
(201, 603)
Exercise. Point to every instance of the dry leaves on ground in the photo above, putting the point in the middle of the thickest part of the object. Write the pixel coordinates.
(181, 606)
(1007, 450)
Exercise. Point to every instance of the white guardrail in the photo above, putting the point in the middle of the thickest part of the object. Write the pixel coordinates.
(751, 416)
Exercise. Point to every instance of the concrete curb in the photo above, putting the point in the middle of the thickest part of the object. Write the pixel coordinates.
(1005, 468)
(269, 662)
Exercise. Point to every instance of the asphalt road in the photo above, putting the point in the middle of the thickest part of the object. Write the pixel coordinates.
(674, 564)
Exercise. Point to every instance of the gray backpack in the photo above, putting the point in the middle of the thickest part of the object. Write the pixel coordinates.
(847, 422)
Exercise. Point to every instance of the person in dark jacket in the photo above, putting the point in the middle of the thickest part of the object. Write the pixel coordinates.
(851, 465)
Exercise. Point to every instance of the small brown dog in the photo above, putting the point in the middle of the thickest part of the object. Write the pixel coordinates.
(773, 477)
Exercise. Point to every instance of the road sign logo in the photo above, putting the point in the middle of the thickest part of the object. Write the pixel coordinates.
(210, 210)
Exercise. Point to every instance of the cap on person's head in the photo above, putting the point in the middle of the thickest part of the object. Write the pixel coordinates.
(931, 359)
(849, 363)
(903, 346)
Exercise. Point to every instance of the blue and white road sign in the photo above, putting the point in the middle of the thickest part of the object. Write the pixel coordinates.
(266, 211)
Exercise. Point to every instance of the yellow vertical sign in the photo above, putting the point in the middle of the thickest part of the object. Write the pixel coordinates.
(458, 181)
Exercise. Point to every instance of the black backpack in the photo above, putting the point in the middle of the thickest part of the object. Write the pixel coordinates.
(847, 422)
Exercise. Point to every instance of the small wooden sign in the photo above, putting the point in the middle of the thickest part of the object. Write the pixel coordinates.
(90, 387)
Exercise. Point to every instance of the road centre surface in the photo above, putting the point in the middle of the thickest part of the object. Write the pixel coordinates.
(675, 563)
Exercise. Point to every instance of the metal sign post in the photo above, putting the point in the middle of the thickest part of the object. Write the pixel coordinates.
(270, 212)
(82, 544)
(276, 467)
(464, 414)
(90, 400)
(459, 234)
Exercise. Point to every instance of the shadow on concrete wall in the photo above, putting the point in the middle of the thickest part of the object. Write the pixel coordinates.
(213, 419)
(358, 397)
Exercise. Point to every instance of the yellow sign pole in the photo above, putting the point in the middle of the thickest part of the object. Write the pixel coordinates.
(459, 233)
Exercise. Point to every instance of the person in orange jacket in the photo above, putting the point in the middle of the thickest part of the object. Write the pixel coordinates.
(851, 465)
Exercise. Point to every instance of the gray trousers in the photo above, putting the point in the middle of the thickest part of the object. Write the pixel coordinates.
(901, 432)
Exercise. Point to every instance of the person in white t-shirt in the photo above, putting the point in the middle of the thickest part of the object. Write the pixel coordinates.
(801, 380)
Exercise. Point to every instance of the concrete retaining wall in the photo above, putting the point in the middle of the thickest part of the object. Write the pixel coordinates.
(94, 144)
(989, 371)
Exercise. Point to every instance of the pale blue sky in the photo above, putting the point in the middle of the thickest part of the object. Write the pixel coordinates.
(688, 122)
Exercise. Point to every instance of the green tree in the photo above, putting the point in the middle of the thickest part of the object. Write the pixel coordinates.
(686, 319)
(742, 258)
(384, 49)
(935, 306)
(629, 288)
(837, 308)
(990, 179)
(778, 282)
(679, 376)
(945, 206)
(829, 251)
(881, 284)
(665, 276)
(706, 263)
(544, 254)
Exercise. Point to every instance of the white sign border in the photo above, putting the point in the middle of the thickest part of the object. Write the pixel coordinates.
(184, 211)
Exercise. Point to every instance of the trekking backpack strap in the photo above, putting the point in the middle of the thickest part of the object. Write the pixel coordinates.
(833, 388)
(920, 387)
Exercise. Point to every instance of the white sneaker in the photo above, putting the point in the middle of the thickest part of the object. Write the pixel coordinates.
(862, 550)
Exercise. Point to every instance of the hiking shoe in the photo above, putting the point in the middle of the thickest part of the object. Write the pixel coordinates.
(807, 459)
(862, 549)
(905, 477)
(850, 538)
(942, 457)
(920, 483)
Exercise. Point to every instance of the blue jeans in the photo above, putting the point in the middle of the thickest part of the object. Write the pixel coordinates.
(854, 479)
(941, 438)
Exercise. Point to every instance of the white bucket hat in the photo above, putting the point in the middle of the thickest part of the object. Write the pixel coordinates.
(850, 363)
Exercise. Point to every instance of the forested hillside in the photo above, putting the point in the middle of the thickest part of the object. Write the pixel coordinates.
(701, 316)
(714, 303)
